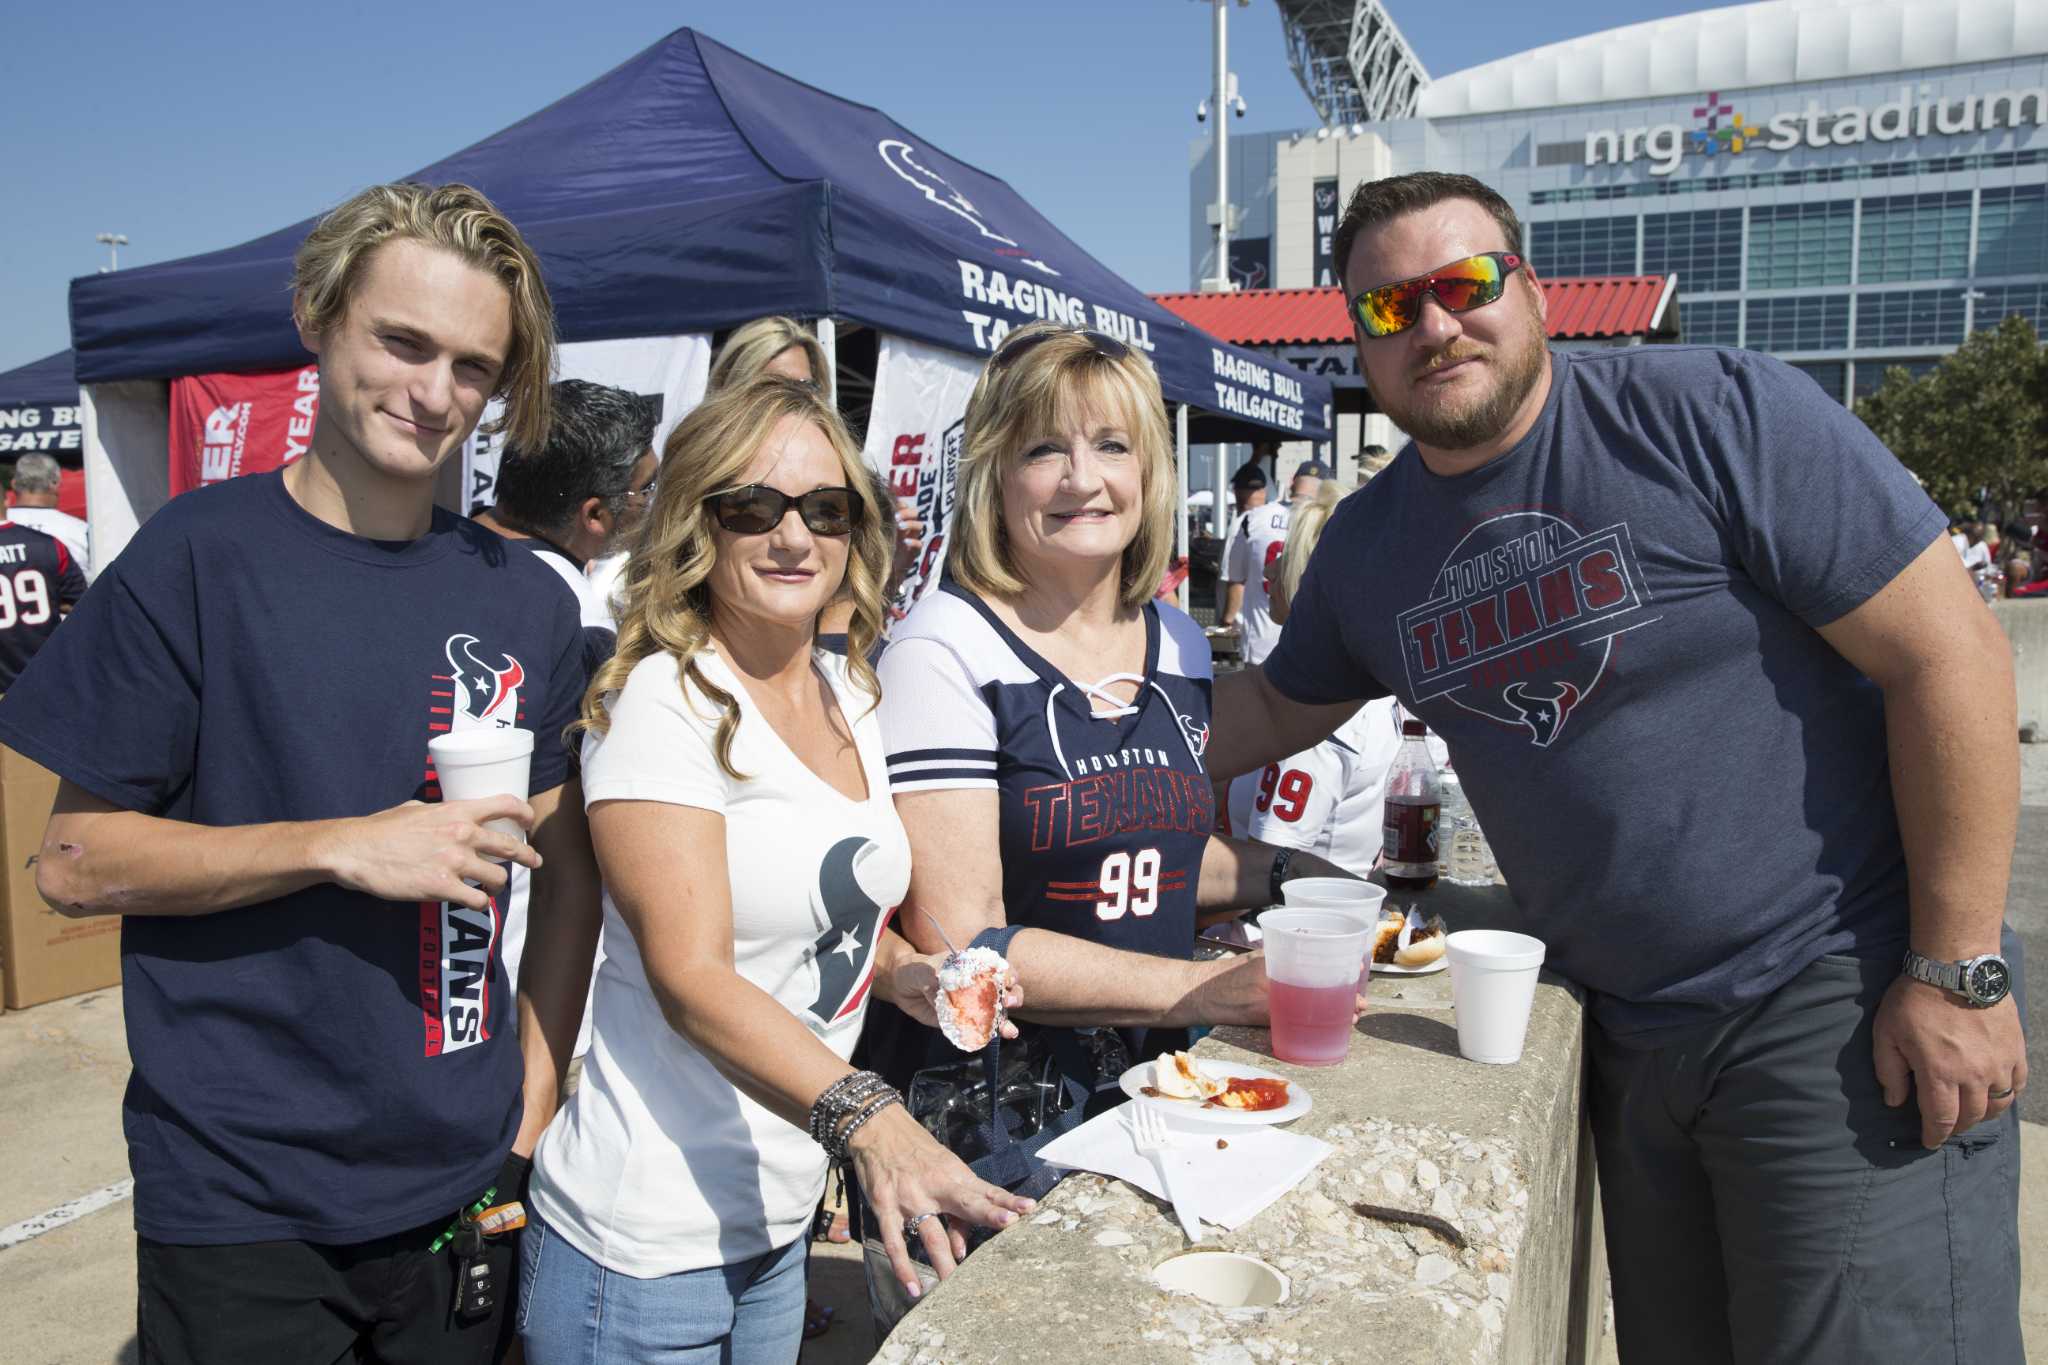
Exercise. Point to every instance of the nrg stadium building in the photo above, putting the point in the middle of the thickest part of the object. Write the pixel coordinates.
(1846, 184)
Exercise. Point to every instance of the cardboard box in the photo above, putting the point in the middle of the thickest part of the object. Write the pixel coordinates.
(43, 955)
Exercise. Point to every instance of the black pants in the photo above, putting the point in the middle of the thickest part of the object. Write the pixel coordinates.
(1764, 1206)
(299, 1303)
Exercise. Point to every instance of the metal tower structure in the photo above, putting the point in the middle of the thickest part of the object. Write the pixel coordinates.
(1351, 60)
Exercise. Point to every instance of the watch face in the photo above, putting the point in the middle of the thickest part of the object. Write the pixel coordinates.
(1989, 981)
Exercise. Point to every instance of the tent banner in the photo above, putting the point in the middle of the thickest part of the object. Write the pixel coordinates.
(670, 372)
(227, 425)
(53, 429)
(914, 432)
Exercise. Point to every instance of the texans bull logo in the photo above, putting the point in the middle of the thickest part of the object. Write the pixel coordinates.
(1544, 716)
(485, 693)
(850, 925)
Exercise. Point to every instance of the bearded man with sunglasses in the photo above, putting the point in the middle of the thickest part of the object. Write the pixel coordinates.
(1717, 689)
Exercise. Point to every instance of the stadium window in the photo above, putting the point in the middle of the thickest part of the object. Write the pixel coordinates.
(1916, 237)
(1704, 248)
(1794, 246)
(2000, 301)
(1804, 322)
(2012, 231)
(1913, 317)
(1709, 322)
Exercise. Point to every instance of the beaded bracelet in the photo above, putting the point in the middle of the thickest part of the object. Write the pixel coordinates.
(840, 1147)
(840, 1100)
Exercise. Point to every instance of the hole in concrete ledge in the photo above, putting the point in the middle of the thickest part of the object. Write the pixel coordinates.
(1224, 1278)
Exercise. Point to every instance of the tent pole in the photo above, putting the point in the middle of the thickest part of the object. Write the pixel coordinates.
(1180, 521)
(1220, 512)
(828, 338)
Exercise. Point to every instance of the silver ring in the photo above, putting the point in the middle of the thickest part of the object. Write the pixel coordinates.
(911, 1225)
(2004, 1094)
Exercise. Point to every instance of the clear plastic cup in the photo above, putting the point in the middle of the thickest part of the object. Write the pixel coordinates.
(1493, 985)
(1313, 958)
(1347, 894)
(1334, 893)
(472, 764)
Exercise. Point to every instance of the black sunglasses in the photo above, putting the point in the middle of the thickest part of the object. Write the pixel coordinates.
(1103, 344)
(756, 509)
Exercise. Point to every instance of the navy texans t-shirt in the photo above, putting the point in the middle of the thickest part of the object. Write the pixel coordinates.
(324, 1067)
(1614, 625)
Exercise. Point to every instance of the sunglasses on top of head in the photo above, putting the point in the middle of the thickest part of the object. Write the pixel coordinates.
(1460, 287)
(756, 509)
(1102, 343)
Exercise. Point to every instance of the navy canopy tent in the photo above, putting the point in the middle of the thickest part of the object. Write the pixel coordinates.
(45, 383)
(39, 410)
(691, 189)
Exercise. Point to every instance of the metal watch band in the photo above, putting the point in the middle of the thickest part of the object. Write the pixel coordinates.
(1946, 975)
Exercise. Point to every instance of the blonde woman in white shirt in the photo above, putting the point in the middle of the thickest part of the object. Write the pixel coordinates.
(752, 858)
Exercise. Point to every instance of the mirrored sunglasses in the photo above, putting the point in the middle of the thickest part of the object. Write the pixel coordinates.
(1460, 287)
(756, 509)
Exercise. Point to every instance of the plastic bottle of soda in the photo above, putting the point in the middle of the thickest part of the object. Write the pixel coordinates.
(1414, 805)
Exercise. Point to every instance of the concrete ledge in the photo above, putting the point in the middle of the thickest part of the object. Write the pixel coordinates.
(2026, 625)
(1495, 1151)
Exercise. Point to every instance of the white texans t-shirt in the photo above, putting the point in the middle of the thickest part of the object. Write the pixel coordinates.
(1256, 539)
(658, 1164)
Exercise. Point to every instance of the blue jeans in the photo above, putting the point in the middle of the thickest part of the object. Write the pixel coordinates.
(573, 1311)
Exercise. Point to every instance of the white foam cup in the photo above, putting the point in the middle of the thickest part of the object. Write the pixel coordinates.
(472, 764)
(1228, 1279)
(1493, 985)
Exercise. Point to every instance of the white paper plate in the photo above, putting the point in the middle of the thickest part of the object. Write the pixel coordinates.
(1394, 969)
(1299, 1101)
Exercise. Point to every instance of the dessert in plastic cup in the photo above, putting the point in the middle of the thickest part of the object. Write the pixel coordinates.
(476, 763)
(1493, 986)
(1313, 960)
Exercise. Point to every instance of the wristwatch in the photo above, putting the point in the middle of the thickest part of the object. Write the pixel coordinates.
(1283, 858)
(1981, 981)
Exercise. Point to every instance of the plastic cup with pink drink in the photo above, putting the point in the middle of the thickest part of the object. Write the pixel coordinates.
(1313, 958)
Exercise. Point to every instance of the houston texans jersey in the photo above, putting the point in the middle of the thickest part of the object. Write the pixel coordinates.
(1105, 807)
(39, 577)
(1256, 540)
(1328, 800)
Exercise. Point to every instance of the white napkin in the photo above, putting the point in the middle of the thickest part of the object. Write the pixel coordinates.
(1229, 1185)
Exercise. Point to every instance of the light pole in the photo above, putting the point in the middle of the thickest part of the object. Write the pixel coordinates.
(113, 241)
(1223, 99)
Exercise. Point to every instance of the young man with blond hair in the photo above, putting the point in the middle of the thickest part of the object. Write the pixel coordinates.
(329, 1066)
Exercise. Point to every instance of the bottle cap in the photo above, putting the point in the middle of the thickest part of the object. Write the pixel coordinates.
(1413, 729)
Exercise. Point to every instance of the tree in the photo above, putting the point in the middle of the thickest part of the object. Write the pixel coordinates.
(1976, 425)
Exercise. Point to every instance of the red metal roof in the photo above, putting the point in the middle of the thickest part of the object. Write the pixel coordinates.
(1594, 308)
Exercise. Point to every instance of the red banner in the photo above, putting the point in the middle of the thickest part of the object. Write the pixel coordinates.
(227, 425)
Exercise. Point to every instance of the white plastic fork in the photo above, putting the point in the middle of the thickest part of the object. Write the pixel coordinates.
(1152, 1138)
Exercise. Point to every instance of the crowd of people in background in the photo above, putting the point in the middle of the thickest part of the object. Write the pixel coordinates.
(766, 806)
(2002, 563)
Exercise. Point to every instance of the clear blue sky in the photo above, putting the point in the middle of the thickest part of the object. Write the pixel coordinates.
(194, 127)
